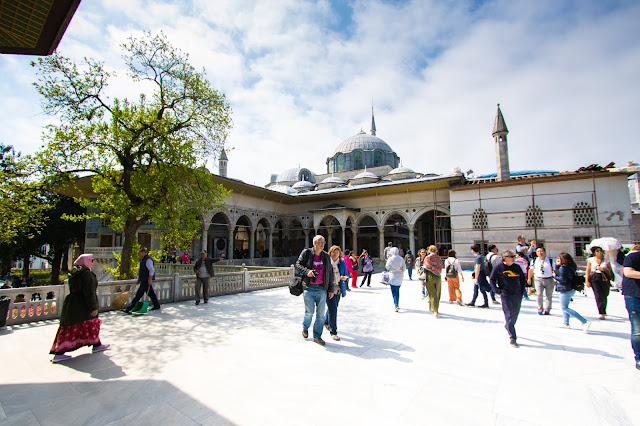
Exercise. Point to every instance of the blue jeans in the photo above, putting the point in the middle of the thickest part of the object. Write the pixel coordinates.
(395, 292)
(482, 283)
(315, 298)
(567, 312)
(331, 316)
(633, 307)
(410, 271)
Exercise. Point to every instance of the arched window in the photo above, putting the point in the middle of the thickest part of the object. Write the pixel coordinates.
(534, 217)
(305, 175)
(340, 163)
(479, 219)
(583, 214)
(377, 159)
(357, 160)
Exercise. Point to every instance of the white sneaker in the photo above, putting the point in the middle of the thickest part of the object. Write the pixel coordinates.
(564, 326)
(586, 326)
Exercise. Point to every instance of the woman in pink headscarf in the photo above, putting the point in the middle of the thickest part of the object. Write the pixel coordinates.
(79, 322)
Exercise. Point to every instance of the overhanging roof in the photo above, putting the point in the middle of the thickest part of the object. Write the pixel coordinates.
(34, 27)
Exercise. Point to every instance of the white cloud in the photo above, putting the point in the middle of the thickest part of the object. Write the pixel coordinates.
(565, 74)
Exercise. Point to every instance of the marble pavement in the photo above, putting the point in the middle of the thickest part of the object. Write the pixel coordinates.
(241, 360)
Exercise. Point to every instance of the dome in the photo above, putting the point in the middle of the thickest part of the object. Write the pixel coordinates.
(366, 175)
(303, 184)
(296, 175)
(283, 189)
(333, 179)
(363, 141)
(399, 170)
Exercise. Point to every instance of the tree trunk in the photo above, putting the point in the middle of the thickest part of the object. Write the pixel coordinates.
(129, 238)
(55, 267)
(65, 261)
(25, 265)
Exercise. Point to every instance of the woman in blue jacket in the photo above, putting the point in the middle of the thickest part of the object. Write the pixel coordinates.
(340, 275)
(565, 276)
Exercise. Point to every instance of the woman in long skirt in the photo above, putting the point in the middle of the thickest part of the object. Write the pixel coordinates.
(79, 322)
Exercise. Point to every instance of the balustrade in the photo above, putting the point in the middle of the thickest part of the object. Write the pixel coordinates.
(29, 304)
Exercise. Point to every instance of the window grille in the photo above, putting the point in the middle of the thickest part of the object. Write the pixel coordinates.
(534, 218)
(583, 214)
(479, 219)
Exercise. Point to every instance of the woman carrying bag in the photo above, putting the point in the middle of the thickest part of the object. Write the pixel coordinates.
(79, 322)
(396, 266)
(598, 277)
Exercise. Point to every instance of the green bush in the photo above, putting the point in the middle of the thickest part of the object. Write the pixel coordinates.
(40, 276)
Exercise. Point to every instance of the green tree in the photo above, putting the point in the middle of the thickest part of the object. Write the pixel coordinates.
(147, 157)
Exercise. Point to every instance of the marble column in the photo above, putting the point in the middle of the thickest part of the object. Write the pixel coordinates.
(354, 243)
(344, 243)
(270, 245)
(381, 242)
(230, 246)
(306, 238)
(412, 241)
(252, 244)
(330, 240)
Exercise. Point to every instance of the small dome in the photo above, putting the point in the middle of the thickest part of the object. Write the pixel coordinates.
(399, 170)
(296, 175)
(366, 175)
(303, 184)
(283, 189)
(333, 179)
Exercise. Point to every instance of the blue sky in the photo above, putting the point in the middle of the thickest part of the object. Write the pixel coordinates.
(301, 77)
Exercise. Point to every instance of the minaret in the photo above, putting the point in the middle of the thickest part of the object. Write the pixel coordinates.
(373, 123)
(500, 132)
(222, 164)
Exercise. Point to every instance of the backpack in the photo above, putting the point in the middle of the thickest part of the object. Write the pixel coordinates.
(451, 271)
(578, 283)
(488, 266)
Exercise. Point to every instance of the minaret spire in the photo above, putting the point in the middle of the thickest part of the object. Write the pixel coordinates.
(499, 134)
(222, 163)
(373, 122)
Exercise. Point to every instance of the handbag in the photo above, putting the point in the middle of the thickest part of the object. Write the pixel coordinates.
(422, 275)
(295, 286)
(385, 278)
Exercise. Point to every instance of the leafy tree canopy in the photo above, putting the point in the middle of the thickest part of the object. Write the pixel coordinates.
(147, 156)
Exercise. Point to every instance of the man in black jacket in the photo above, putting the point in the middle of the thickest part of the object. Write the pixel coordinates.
(204, 271)
(509, 282)
(314, 264)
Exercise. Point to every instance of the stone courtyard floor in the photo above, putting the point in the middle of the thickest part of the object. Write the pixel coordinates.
(240, 359)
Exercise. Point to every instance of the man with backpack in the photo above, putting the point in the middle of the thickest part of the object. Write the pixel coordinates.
(541, 274)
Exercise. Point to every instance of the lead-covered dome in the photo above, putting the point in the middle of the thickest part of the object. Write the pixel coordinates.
(292, 176)
(362, 141)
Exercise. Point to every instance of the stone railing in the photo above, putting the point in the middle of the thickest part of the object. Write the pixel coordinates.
(170, 269)
(106, 252)
(30, 304)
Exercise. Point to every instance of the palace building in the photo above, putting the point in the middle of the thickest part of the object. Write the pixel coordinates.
(365, 199)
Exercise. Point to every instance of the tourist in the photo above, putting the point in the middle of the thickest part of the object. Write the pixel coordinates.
(509, 282)
(204, 271)
(354, 269)
(565, 276)
(396, 266)
(453, 273)
(314, 264)
(598, 277)
(386, 254)
(79, 322)
(422, 275)
(521, 261)
(146, 275)
(409, 260)
(631, 293)
(349, 265)
(480, 283)
(494, 258)
(531, 253)
(522, 244)
(185, 258)
(367, 269)
(433, 268)
(341, 276)
(541, 275)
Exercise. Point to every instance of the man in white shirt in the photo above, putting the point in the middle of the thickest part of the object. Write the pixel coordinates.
(541, 272)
